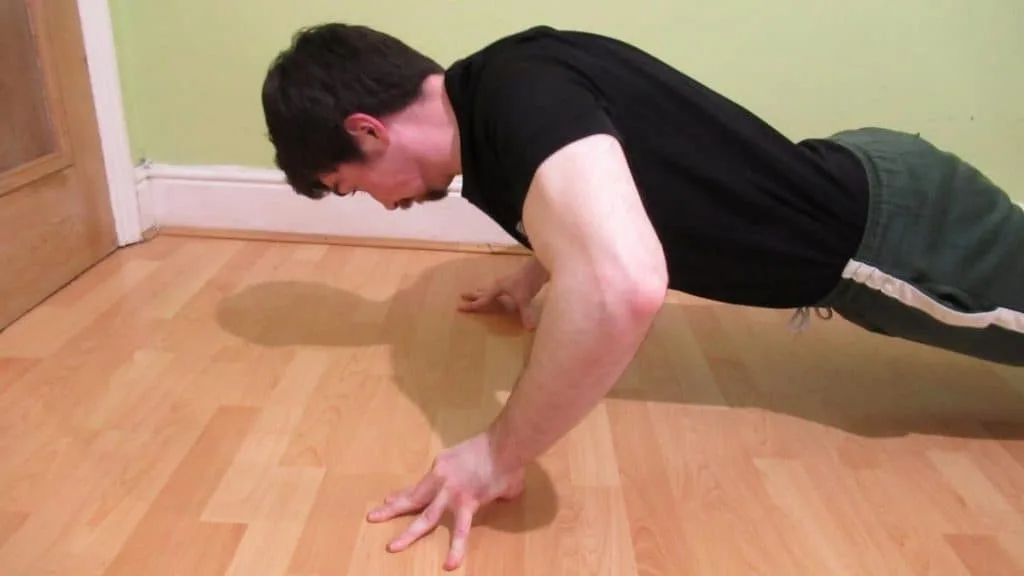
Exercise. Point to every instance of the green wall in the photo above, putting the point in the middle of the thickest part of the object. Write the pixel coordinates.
(192, 69)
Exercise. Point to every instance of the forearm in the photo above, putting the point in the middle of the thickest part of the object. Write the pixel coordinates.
(608, 280)
(586, 339)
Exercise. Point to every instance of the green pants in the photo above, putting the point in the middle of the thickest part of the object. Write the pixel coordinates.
(942, 259)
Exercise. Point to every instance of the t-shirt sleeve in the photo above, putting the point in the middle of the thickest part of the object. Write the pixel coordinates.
(531, 108)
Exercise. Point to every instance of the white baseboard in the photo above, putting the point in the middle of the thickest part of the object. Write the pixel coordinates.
(259, 200)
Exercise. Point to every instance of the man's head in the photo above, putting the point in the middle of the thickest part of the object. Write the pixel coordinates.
(350, 109)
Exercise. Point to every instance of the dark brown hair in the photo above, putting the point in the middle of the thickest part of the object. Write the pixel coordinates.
(330, 72)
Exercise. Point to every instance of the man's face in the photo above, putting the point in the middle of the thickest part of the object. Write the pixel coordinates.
(392, 183)
(391, 172)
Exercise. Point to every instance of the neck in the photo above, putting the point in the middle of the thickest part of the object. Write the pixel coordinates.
(442, 117)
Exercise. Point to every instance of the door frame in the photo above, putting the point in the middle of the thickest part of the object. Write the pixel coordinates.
(105, 80)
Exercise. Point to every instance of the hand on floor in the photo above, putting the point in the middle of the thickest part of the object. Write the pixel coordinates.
(513, 293)
(501, 299)
(462, 479)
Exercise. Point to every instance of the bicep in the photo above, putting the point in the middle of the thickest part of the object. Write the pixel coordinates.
(586, 220)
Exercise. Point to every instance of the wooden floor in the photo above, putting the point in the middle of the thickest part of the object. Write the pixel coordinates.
(209, 407)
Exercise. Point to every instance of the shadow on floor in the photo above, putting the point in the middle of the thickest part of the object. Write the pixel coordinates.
(440, 372)
(835, 375)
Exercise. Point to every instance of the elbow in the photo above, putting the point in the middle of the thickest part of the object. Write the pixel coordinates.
(637, 297)
(645, 297)
(619, 297)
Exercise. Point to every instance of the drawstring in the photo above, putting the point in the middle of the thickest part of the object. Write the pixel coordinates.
(803, 315)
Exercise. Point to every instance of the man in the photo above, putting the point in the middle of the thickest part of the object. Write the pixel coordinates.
(627, 178)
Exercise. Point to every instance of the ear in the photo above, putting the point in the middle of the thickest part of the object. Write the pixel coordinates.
(369, 132)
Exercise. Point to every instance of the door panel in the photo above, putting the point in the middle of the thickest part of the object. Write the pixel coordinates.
(23, 101)
(35, 139)
(55, 214)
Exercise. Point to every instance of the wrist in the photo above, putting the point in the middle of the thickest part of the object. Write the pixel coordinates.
(536, 274)
(538, 269)
(502, 446)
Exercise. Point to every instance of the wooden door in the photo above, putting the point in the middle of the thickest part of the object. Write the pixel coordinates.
(55, 215)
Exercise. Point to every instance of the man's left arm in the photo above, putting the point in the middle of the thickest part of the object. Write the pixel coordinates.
(607, 280)
(588, 227)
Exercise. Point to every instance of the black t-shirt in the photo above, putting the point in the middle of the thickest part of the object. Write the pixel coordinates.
(745, 215)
